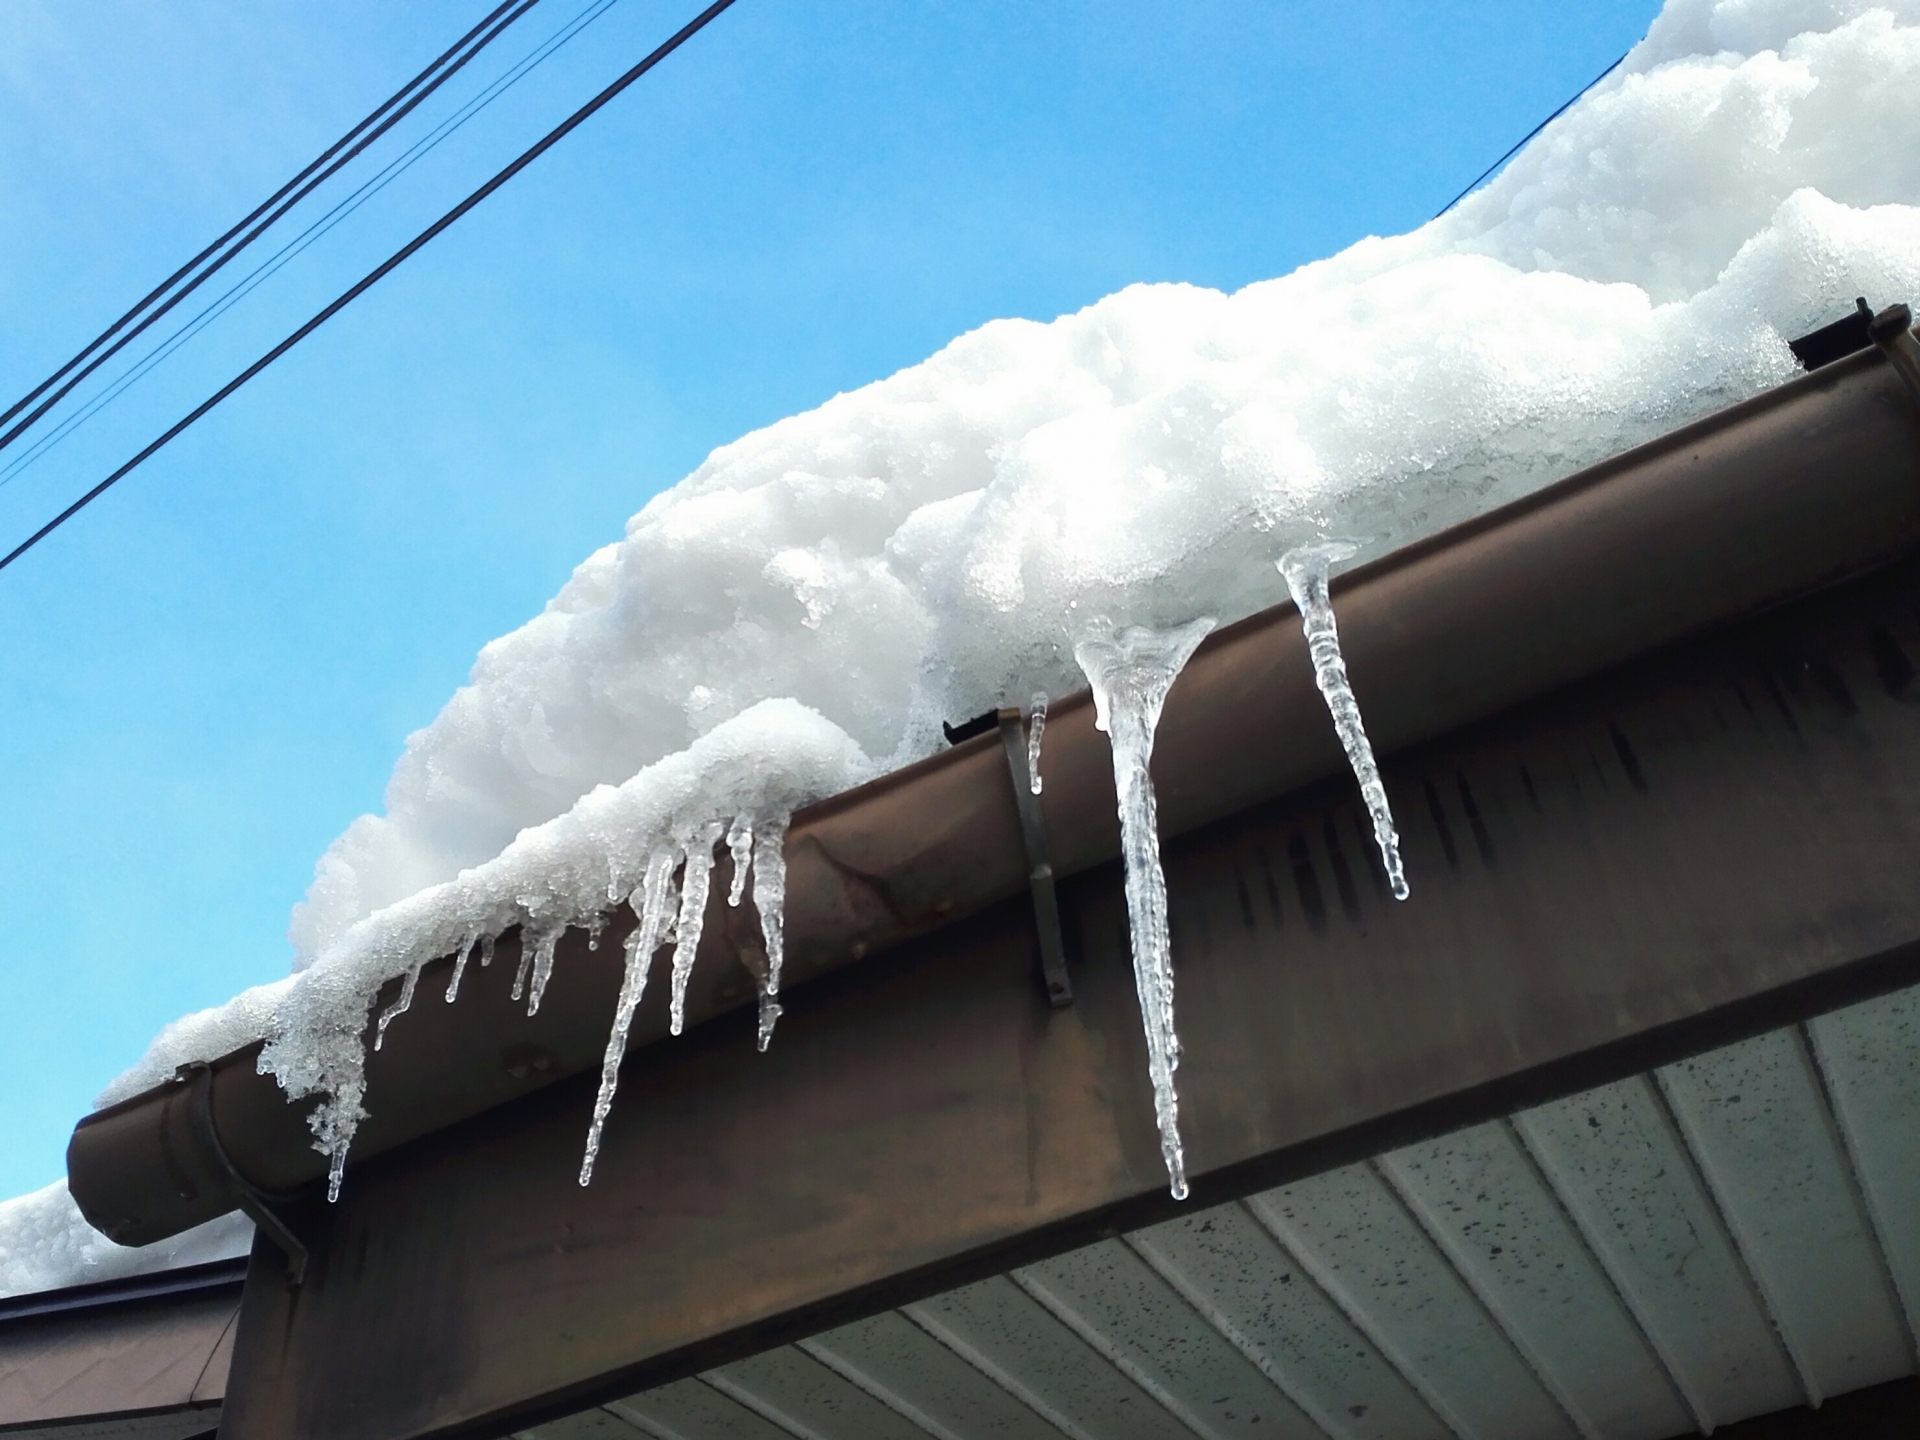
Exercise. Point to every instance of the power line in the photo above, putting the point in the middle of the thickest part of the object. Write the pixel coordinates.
(268, 267)
(280, 202)
(1528, 136)
(373, 277)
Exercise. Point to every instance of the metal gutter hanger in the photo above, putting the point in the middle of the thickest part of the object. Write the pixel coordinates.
(1033, 830)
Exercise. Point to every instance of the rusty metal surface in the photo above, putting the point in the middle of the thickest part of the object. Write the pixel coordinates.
(1705, 844)
(155, 1364)
(1776, 497)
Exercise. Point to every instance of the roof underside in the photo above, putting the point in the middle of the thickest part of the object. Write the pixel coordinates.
(1725, 1237)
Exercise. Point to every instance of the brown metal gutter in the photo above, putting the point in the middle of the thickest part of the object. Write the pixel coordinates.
(1772, 499)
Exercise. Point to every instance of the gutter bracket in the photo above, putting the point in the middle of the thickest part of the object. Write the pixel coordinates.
(1892, 332)
(253, 1201)
(1033, 830)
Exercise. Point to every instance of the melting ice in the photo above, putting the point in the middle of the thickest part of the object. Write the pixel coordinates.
(1131, 671)
(694, 887)
(1036, 727)
(1305, 568)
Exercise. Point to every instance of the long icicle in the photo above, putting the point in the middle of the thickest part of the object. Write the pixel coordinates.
(1305, 568)
(770, 899)
(641, 944)
(1131, 672)
(694, 887)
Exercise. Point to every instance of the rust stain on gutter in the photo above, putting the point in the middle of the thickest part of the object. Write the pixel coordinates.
(1772, 499)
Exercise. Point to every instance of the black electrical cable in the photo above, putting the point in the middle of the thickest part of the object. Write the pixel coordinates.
(525, 158)
(313, 232)
(280, 202)
(1528, 136)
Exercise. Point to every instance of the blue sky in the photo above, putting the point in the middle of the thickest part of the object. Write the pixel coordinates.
(208, 675)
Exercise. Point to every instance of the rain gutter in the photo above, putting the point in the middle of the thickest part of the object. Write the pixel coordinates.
(1775, 498)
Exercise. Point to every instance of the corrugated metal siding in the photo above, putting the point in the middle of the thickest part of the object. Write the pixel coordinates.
(1732, 1235)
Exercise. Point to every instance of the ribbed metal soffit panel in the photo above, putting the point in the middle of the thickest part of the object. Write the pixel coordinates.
(1729, 1236)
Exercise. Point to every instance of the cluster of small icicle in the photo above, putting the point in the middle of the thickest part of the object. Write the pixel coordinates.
(670, 907)
(677, 919)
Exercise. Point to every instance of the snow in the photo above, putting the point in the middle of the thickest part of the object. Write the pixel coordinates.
(46, 1245)
(807, 607)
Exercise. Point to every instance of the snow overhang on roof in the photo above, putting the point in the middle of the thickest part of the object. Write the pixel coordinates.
(927, 1118)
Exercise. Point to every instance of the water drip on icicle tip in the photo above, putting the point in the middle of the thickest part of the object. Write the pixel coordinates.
(460, 958)
(1036, 727)
(740, 846)
(400, 1006)
(695, 886)
(1131, 672)
(1305, 568)
(545, 944)
(652, 897)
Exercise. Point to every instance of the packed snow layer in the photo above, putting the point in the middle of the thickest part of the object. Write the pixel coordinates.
(918, 550)
(45, 1244)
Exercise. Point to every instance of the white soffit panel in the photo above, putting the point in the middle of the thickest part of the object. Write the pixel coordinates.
(1361, 1246)
(694, 1410)
(1111, 1298)
(1870, 1054)
(915, 1376)
(1620, 1167)
(1485, 1203)
(1235, 1274)
(806, 1399)
(1754, 1117)
(1005, 1333)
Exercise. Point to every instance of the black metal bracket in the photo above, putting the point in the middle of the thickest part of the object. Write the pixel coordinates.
(1892, 331)
(1033, 829)
(253, 1200)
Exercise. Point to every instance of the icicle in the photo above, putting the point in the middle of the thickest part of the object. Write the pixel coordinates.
(336, 1172)
(526, 965)
(770, 893)
(487, 943)
(641, 943)
(400, 1006)
(1305, 568)
(740, 844)
(544, 946)
(1131, 672)
(693, 918)
(770, 899)
(1036, 725)
(464, 954)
